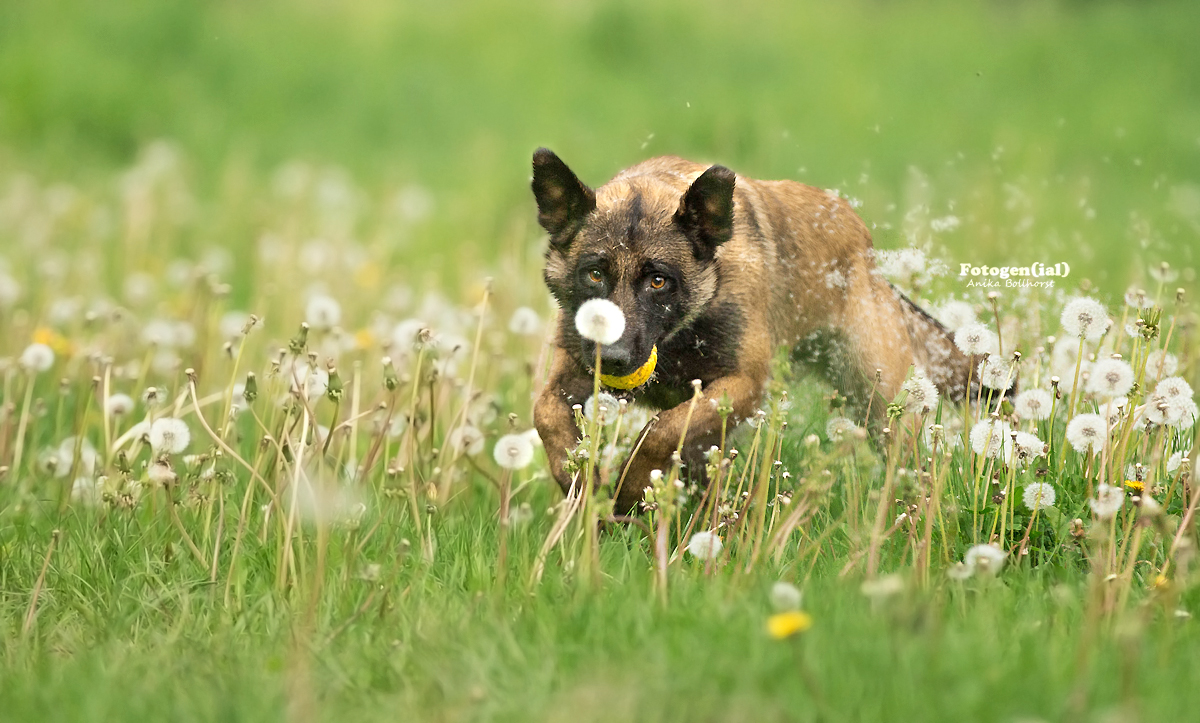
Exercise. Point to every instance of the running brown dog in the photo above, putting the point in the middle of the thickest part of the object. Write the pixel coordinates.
(714, 272)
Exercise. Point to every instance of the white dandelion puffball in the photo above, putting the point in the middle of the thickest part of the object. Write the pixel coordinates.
(1108, 502)
(466, 439)
(118, 405)
(606, 404)
(513, 451)
(1174, 461)
(705, 546)
(1160, 363)
(1087, 432)
(995, 373)
(922, 395)
(954, 315)
(985, 559)
(1110, 378)
(1085, 318)
(1172, 404)
(1033, 404)
(785, 596)
(988, 437)
(1173, 388)
(323, 312)
(37, 358)
(600, 320)
(169, 435)
(1039, 496)
(1024, 446)
(838, 428)
(976, 338)
(525, 321)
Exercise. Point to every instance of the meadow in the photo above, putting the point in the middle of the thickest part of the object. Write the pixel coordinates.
(272, 321)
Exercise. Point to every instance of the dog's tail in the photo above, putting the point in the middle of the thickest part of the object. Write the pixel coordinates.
(934, 352)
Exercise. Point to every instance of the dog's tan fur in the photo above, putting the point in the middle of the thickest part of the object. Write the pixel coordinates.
(796, 272)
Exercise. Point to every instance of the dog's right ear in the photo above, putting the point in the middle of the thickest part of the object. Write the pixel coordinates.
(563, 201)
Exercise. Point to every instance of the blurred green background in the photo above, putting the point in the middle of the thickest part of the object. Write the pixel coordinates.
(1067, 128)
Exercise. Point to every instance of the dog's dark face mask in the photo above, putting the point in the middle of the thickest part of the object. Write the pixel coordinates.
(650, 251)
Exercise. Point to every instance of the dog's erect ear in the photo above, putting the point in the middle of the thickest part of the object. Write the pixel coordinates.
(563, 201)
(706, 211)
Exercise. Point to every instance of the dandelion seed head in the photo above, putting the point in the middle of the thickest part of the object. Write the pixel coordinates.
(954, 315)
(1161, 363)
(118, 405)
(1039, 496)
(1087, 432)
(525, 322)
(1084, 317)
(600, 320)
(1023, 446)
(922, 395)
(985, 559)
(466, 439)
(987, 437)
(37, 358)
(513, 451)
(996, 373)
(1033, 404)
(786, 596)
(1110, 378)
(169, 435)
(705, 546)
(1109, 500)
(975, 338)
(838, 428)
(604, 404)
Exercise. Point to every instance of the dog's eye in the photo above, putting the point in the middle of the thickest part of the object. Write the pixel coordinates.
(658, 281)
(595, 276)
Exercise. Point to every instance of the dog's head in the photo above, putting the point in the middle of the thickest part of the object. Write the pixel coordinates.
(646, 245)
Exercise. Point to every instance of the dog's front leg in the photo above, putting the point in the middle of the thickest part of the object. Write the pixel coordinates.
(660, 438)
(553, 415)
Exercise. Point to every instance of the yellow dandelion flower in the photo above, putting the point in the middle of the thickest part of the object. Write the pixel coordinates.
(51, 338)
(785, 625)
(364, 339)
(1134, 486)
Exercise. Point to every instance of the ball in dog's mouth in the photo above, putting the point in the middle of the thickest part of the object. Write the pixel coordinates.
(634, 379)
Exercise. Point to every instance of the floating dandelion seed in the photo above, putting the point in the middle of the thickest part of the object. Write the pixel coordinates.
(1033, 404)
(1085, 318)
(784, 625)
(169, 435)
(705, 546)
(988, 435)
(525, 321)
(513, 451)
(1087, 432)
(976, 339)
(985, 559)
(37, 358)
(1108, 502)
(600, 320)
(118, 405)
(1110, 378)
(1039, 496)
(995, 373)
(922, 395)
(785, 596)
(954, 315)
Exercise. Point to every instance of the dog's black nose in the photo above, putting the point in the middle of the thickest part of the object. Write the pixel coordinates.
(615, 358)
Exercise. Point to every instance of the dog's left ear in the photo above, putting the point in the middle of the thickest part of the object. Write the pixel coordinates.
(706, 211)
(563, 200)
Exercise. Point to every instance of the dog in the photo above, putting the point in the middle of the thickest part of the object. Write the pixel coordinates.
(715, 272)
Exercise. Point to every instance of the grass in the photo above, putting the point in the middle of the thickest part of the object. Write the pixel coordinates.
(378, 155)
